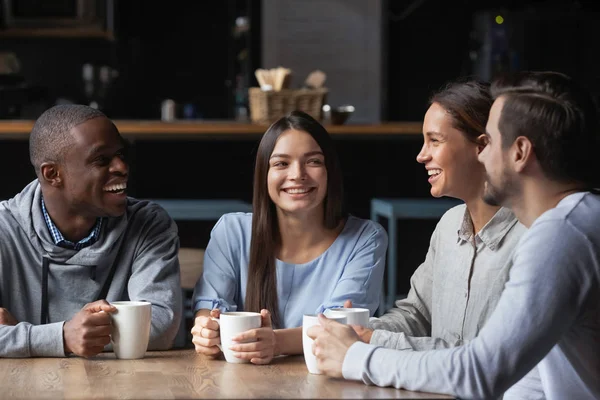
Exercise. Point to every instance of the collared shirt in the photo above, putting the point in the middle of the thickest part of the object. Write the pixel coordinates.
(455, 290)
(60, 240)
(548, 311)
(458, 285)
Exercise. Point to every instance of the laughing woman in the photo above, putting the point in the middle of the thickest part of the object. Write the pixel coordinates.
(457, 287)
(297, 253)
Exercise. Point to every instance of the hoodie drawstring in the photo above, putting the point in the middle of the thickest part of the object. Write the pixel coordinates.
(45, 317)
(45, 268)
(101, 295)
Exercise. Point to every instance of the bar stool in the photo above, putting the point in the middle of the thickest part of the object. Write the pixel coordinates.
(394, 209)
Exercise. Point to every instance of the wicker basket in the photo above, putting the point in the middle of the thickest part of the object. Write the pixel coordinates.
(268, 106)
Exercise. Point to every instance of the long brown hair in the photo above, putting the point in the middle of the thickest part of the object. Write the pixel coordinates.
(261, 288)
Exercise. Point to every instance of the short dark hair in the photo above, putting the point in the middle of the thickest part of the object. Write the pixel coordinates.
(559, 117)
(261, 288)
(468, 101)
(50, 137)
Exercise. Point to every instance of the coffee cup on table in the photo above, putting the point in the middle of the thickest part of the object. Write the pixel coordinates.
(131, 328)
(354, 316)
(309, 320)
(232, 324)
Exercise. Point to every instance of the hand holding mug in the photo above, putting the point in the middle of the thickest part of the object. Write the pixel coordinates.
(363, 333)
(6, 318)
(89, 330)
(358, 322)
(206, 334)
(262, 348)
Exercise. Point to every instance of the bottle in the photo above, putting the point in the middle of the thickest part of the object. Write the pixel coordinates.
(167, 110)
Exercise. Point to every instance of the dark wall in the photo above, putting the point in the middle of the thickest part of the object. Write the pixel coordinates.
(175, 49)
(55, 64)
(425, 48)
(431, 42)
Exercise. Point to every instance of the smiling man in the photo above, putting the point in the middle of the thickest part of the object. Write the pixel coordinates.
(541, 161)
(72, 241)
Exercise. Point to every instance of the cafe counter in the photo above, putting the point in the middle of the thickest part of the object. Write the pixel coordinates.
(151, 129)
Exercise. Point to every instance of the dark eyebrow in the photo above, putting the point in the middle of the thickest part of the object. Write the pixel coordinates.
(432, 133)
(310, 153)
(313, 153)
(97, 149)
(102, 148)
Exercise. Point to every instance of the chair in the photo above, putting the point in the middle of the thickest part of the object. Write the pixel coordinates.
(190, 259)
(394, 209)
(191, 263)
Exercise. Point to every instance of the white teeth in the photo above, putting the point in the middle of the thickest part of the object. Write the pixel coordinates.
(114, 188)
(434, 172)
(297, 191)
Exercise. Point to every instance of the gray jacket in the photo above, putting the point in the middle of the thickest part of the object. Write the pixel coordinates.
(135, 258)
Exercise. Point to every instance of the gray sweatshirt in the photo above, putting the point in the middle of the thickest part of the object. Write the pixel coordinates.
(140, 248)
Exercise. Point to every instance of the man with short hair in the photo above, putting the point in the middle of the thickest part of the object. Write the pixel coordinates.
(541, 161)
(72, 241)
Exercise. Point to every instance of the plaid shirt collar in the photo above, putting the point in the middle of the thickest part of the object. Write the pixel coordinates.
(60, 240)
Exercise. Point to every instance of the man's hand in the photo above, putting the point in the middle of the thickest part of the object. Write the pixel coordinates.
(89, 330)
(206, 335)
(6, 317)
(263, 349)
(331, 343)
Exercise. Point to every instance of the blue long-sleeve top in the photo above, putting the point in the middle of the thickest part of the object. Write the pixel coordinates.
(350, 269)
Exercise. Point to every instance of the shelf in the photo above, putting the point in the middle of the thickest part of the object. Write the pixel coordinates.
(152, 129)
(57, 33)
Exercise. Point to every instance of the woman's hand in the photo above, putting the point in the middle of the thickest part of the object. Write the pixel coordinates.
(363, 333)
(262, 349)
(205, 334)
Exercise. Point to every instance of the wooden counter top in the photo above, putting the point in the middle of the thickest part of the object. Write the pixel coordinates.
(152, 129)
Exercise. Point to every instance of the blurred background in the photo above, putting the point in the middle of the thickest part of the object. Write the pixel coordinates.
(383, 57)
(128, 56)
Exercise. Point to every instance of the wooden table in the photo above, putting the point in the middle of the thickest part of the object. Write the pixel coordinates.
(176, 374)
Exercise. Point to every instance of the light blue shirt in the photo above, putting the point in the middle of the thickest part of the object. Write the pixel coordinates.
(549, 312)
(350, 269)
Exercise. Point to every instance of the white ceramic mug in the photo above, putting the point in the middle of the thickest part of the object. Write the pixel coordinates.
(354, 316)
(309, 320)
(131, 328)
(232, 324)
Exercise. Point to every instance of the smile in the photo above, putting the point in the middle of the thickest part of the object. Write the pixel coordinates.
(434, 172)
(118, 188)
(297, 190)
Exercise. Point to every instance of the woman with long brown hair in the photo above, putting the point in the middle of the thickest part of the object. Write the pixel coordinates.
(297, 253)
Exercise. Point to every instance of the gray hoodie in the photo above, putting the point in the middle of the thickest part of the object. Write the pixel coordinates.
(140, 248)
